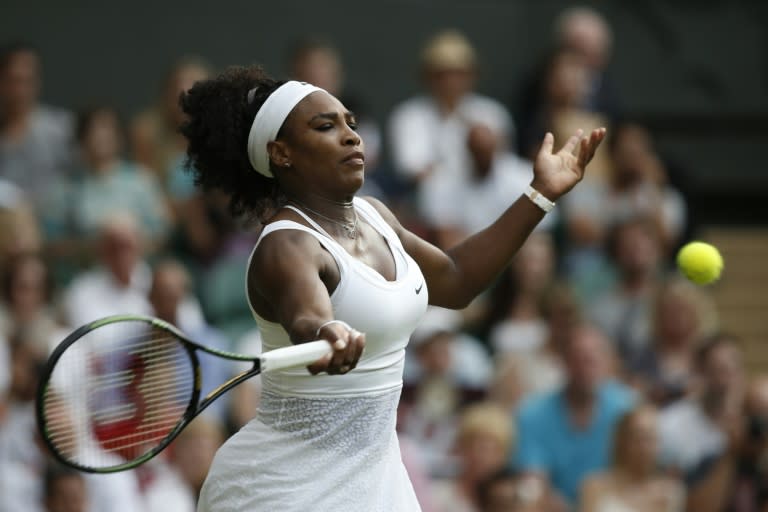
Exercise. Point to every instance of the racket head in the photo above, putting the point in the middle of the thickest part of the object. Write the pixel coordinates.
(116, 392)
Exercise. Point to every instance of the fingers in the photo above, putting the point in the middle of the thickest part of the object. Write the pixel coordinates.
(588, 146)
(347, 345)
(547, 144)
(572, 143)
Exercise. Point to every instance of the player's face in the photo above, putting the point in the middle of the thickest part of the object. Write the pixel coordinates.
(321, 143)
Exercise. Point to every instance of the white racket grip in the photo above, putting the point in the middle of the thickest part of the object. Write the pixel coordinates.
(295, 355)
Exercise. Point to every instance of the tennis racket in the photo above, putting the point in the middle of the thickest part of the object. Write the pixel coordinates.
(117, 391)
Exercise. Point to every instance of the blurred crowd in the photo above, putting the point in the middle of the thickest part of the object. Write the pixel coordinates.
(589, 378)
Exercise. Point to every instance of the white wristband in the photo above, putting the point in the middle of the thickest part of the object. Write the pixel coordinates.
(539, 200)
(329, 322)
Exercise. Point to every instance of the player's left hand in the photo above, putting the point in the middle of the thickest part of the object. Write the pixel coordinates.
(554, 174)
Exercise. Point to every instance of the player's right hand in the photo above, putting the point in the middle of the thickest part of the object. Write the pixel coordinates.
(347, 344)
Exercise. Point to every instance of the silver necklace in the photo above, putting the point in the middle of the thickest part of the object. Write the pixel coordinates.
(350, 227)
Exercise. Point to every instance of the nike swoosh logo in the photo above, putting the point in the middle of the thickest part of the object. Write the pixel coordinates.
(418, 290)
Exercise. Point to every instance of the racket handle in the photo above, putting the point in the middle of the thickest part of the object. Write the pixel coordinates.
(295, 355)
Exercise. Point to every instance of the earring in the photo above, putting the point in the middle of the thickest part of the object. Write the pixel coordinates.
(287, 164)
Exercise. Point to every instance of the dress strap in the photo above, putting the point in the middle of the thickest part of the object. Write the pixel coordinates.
(309, 220)
(374, 218)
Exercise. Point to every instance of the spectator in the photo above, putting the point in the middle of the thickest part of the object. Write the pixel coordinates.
(566, 435)
(750, 489)
(27, 292)
(120, 282)
(540, 370)
(21, 462)
(429, 132)
(497, 177)
(485, 435)
(171, 299)
(19, 232)
(108, 186)
(64, 490)
(623, 311)
(449, 370)
(701, 435)
(636, 186)
(586, 32)
(176, 485)
(563, 88)
(156, 143)
(517, 315)
(633, 482)
(35, 139)
(509, 491)
(683, 315)
(319, 63)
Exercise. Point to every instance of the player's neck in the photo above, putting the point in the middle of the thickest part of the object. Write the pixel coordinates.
(341, 209)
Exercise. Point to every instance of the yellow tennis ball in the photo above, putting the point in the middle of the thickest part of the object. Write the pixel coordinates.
(700, 262)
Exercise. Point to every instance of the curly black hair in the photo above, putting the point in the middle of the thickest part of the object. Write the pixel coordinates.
(219, 118)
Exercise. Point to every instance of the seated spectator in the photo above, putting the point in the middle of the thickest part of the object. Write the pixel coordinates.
(485, 434)
(155, 141)
(683, 314)
(633, 483)
(177, 484)
(445, 369)
(565, 435)
(429, 133)
(623, 311)
(564, 86)
(35, 139)
(64, 490)
(585, 33)
(21, 462)
(26, 299)
(108, 185)
(636, 186)
(171, 298)
(510, 491)
(701, 435)
(750, 488)
(497, 177)
(119, 283)
(19, 232)
(517, 322)
(541, 370)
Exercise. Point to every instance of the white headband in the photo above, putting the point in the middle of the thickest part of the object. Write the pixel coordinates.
(270, 118)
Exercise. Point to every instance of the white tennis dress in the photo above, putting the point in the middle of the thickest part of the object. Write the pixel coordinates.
(328, 442)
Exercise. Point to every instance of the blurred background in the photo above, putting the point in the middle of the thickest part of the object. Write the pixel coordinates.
(591, 377)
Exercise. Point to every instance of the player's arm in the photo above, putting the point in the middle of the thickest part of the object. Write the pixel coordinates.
(457, 276)
(285, 285)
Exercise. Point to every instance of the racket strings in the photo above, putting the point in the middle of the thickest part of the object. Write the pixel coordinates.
(116, 393)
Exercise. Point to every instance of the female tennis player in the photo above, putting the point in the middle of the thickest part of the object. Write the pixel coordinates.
(330, 265)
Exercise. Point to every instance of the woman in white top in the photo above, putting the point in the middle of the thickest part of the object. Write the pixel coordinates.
(634, 483)
(329, 265)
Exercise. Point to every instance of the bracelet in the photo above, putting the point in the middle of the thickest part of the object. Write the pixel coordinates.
(539, 200)
(329, 322)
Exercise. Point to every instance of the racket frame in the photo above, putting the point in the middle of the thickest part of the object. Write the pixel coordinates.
(194, 408)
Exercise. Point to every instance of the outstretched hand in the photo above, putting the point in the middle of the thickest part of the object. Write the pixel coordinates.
(554, 174)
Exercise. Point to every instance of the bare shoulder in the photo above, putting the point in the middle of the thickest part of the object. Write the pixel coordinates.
(284, 248)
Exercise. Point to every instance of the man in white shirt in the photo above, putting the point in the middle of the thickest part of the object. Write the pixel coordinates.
(428, 133)
(698, 434)
(119, 284)
(496, 178)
